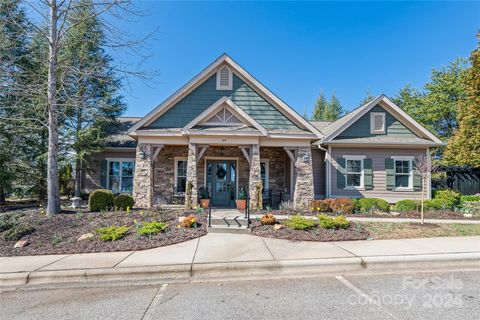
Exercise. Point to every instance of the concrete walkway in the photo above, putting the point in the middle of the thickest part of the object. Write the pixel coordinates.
(231, 256)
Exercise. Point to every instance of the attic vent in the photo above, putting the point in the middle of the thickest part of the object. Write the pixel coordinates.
(224, 118)
(224, 79)
(377, 122)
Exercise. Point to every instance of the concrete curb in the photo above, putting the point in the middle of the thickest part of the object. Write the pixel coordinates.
(231, 271)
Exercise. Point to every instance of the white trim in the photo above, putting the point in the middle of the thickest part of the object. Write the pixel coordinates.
(411, 123)
(429, 180)
(245, 76)
(175, 169)
(230, 79)
(119, 160)
(232, 107)
(267, 172)
(410, 173)
(362, 172)
(372, 122)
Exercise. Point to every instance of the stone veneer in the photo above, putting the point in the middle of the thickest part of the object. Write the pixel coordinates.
(143, 180)
(192, 174)
(254, 176)
(303, 194)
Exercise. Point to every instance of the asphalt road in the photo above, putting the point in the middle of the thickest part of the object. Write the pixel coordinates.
(440, 295)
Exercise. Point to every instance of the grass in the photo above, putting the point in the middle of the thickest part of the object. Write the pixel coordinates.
(390, 230)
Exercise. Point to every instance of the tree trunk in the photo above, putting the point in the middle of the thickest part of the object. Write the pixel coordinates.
(78, 162)
(2, 195)
(53, 189)
(423, 199)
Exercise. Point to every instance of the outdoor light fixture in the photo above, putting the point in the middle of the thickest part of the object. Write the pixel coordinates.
(142, 154)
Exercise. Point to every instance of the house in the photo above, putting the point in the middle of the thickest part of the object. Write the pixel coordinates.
(224, 130)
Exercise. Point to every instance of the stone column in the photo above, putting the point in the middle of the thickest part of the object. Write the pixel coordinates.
(254, 175)
(192, 175)
(303, 194)
(143, 180)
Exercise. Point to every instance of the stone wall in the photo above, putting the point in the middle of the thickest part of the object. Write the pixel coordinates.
(164, 169)
(254, 176)
(143, 180)
(303, 194)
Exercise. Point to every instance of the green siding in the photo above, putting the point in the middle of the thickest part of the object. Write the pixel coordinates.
(206, 94)
(361, 128)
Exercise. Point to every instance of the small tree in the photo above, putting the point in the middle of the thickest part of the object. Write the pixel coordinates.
(425, 168)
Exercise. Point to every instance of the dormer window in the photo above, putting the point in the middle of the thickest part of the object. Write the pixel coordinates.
(224, 78)
(377, 122)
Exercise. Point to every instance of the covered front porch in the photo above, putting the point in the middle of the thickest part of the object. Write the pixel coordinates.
(177, 174)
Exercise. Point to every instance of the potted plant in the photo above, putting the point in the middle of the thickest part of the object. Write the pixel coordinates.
(204, 198)
(241, 199)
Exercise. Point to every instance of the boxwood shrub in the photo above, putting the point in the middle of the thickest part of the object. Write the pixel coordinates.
(470, 198)
(101, 199)
(123, 201)
(449, 197)
(407, 205)
(437, 204)
(368, 205)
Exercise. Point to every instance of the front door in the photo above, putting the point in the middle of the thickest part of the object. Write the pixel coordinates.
(221, 181)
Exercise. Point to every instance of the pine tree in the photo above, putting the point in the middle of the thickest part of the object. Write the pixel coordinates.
(334, 109)
(464, 147)
(320, 106)
(368, 97)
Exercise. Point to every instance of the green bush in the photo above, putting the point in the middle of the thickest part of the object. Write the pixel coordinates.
(407, 205)
(437, 204)
(473, 208)
(471, 198)
(112, 233)
(298, 222)
(17, 232)
(342, 206)
(451, 197)
(328, 222)
(123, 201)
(373, 205)
(101, 199)
(153, 227)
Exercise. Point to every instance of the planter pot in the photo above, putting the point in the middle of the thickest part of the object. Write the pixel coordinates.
(204, 203)
(241, 204)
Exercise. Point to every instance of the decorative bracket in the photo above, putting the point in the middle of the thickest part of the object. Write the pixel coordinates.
(247, 153)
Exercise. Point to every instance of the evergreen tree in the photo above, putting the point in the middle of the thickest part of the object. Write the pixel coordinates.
(464, 147)
(320, 106)
(368, 97)
(334, 109)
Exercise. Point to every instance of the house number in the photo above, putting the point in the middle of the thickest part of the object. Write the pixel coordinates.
(224, 140)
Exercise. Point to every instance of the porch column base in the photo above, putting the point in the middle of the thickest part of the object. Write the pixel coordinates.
(303, 194)
(254, 177)
(191, 192)
(143, 180)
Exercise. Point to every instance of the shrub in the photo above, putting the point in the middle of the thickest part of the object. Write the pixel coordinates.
(17, 232)
(373, 205)
(474, 198)
(189, 221)
(298, 222)
(101, 199)
(407, 205)
(153, 227)
(286, 205)
(320, 205)
(328, 222)
(268, 219)
(451, 197)
(123, 201)
(112, 233)
(436, 204)
(472, 207)
(342, 206)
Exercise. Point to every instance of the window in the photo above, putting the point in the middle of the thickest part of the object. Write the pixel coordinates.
(264, 174)
(180, 174)
(354, 172)
(377, 122)
(403, 173)
(120, 175)
(224, 79)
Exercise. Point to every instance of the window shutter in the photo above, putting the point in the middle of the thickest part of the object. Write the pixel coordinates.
(368, 174)
(417, 178)
(390, 173)
(103, 173)
(340, 173)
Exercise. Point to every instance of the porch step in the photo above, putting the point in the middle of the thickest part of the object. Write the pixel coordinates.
(225, 229)
(230, 222)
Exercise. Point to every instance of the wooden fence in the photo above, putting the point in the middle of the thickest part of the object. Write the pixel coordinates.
(465, 180)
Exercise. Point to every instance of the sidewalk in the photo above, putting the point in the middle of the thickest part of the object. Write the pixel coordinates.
(230, 257)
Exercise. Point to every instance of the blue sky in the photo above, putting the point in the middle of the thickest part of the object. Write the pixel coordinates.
(298, 49)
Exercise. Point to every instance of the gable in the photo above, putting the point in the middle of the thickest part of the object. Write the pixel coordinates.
(207, 94)
(361, 127)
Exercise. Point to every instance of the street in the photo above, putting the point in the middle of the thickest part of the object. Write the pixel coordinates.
(439, 295)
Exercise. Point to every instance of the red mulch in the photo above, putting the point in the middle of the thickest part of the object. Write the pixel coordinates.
(354, 232)
(59, 234)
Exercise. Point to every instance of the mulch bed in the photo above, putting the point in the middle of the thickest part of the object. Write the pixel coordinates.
(59, 234)
(354, 232)
(416, 215)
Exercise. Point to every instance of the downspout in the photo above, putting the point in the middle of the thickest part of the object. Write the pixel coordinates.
(327, 171)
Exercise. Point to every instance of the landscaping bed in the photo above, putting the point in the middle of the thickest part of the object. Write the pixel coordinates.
(447, 214)
(60, 234)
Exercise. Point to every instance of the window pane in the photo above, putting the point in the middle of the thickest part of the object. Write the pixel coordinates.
(114, 169)
(354, 165)
(127, 184)
(127, 169)
(378, 123)
(401, 181)
(114, 183)
(402, 166)
(181, 184)
(353, 180)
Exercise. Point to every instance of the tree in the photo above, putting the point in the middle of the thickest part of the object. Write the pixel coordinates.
(320, 106)
(327, 110)
(424, 167)
(368, 97)
(464, 147)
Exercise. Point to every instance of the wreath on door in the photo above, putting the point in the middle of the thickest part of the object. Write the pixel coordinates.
(221, 173)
